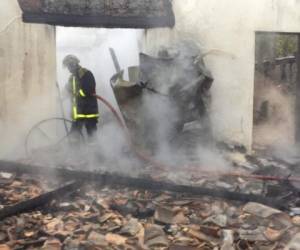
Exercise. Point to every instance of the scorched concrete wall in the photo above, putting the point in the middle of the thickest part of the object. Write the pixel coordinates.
(27, 76)
(227, 29)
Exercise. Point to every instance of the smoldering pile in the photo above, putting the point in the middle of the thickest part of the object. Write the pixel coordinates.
(94, 216)
(166, 101)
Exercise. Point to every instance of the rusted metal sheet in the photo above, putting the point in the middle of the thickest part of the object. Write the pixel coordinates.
(99, 13)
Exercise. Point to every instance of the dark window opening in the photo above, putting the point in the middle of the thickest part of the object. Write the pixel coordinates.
(276, 88)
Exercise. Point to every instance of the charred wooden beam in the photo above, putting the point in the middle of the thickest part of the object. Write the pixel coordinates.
(39, 201)
(98, 21)
(99, 13)
(112, 180)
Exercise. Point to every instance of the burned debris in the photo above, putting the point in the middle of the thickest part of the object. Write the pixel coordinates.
(159, 180)
(108, 211)
(167, 99)
(182, 205)
(39, 201)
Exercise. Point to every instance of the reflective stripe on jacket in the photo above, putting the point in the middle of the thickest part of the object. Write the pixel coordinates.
(84, 103)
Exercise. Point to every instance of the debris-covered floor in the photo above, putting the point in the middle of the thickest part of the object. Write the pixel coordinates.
(93, 216)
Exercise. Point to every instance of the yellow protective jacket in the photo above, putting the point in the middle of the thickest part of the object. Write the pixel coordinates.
(82, 87)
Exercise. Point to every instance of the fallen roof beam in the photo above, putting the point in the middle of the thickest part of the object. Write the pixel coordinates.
(39, 201)
(110, 179)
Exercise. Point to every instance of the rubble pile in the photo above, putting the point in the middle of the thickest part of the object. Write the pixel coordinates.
(167, 99)
(98, 217)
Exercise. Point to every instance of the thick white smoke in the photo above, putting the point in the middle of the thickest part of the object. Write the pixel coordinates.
(92, 48)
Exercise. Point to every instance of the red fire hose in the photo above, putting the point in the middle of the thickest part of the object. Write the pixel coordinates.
(140, 154)
(161, 166)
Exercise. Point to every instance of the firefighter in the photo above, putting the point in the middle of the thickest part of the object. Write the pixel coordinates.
(82, 88)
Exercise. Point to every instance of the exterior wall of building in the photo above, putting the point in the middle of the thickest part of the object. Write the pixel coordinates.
(27, 76)
(226, 29)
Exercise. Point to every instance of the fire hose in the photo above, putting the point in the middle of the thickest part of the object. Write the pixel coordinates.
(161, 166)
(143, 156)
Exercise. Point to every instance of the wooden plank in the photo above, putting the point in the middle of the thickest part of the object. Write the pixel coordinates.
(39, 201)
(115, 60)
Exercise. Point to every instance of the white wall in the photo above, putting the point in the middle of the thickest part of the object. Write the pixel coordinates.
(27, 76)
(227, 28)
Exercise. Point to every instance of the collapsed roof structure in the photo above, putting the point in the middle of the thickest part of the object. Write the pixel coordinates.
(105, 218)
